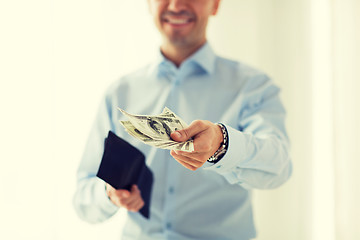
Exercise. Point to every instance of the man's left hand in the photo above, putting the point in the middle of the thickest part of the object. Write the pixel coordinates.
(207, 139)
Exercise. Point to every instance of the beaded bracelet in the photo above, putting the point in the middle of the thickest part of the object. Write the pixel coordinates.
(223, 148)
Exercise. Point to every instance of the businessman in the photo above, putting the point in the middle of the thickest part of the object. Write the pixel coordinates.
(237, 123)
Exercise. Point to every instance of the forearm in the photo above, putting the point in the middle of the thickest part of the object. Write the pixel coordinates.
(90, 199)
(91, 202)
(255, 162)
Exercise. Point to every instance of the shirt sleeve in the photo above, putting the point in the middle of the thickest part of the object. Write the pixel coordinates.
(90, 199)
(258, 151)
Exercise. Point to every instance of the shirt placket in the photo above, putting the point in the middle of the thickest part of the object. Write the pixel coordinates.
(172, 176)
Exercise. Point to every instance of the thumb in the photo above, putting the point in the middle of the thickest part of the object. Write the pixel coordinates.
(123, 193)
(187, 133)
(135, 189)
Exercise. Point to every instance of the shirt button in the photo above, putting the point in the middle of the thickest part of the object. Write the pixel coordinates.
(171, 190)
(168, 225)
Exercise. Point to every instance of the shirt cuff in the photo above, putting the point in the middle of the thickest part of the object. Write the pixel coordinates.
(106, 204)
(234, 154)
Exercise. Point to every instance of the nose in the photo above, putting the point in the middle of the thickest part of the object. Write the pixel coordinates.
(176, 5)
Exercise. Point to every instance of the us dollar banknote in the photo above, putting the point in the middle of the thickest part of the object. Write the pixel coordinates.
(155, 130)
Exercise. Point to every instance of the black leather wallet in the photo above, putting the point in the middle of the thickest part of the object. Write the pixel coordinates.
(123, 165)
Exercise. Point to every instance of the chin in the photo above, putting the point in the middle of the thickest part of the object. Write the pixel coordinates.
(179, 40)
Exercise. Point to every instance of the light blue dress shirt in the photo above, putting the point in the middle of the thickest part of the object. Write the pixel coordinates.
(213, 202)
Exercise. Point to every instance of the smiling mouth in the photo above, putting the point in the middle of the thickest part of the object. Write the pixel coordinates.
(178, 21)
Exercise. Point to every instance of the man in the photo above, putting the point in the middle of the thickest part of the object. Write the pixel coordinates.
(205, 194)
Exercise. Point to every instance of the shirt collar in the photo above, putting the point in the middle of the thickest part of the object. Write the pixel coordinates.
(204, 57)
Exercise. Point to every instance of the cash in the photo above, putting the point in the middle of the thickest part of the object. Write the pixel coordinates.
(155, 130)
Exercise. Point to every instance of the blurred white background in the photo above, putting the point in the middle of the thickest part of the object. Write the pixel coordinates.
(58, 56)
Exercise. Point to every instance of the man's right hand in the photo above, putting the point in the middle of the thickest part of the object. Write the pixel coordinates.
(132, 201)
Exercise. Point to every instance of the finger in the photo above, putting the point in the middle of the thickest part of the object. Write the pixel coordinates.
(122, 193)
(123, 196)
(129, 205)
(197, 156)
(140, 205)
(135, 199)
(188, 161)
(136, 205)
(134, 188)
(125, 201)
(186, 133)
(117, 196)
(133, 195)
(188, 166)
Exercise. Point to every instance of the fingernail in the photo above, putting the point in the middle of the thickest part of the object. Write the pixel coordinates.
(124, 195)
(178, 134)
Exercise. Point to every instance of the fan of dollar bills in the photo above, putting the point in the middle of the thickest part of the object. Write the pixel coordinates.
(155, 130)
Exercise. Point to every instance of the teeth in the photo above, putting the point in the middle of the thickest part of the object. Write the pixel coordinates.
(178, 21)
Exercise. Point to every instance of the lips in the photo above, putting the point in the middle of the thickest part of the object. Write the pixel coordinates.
(178, 21)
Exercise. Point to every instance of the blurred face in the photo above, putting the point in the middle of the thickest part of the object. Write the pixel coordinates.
(182, 23)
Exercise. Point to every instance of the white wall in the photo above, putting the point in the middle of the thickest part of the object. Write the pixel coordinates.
(26, 185)
(347, 117)
(57, 57)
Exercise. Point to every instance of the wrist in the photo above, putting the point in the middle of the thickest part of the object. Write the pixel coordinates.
(219, 154)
